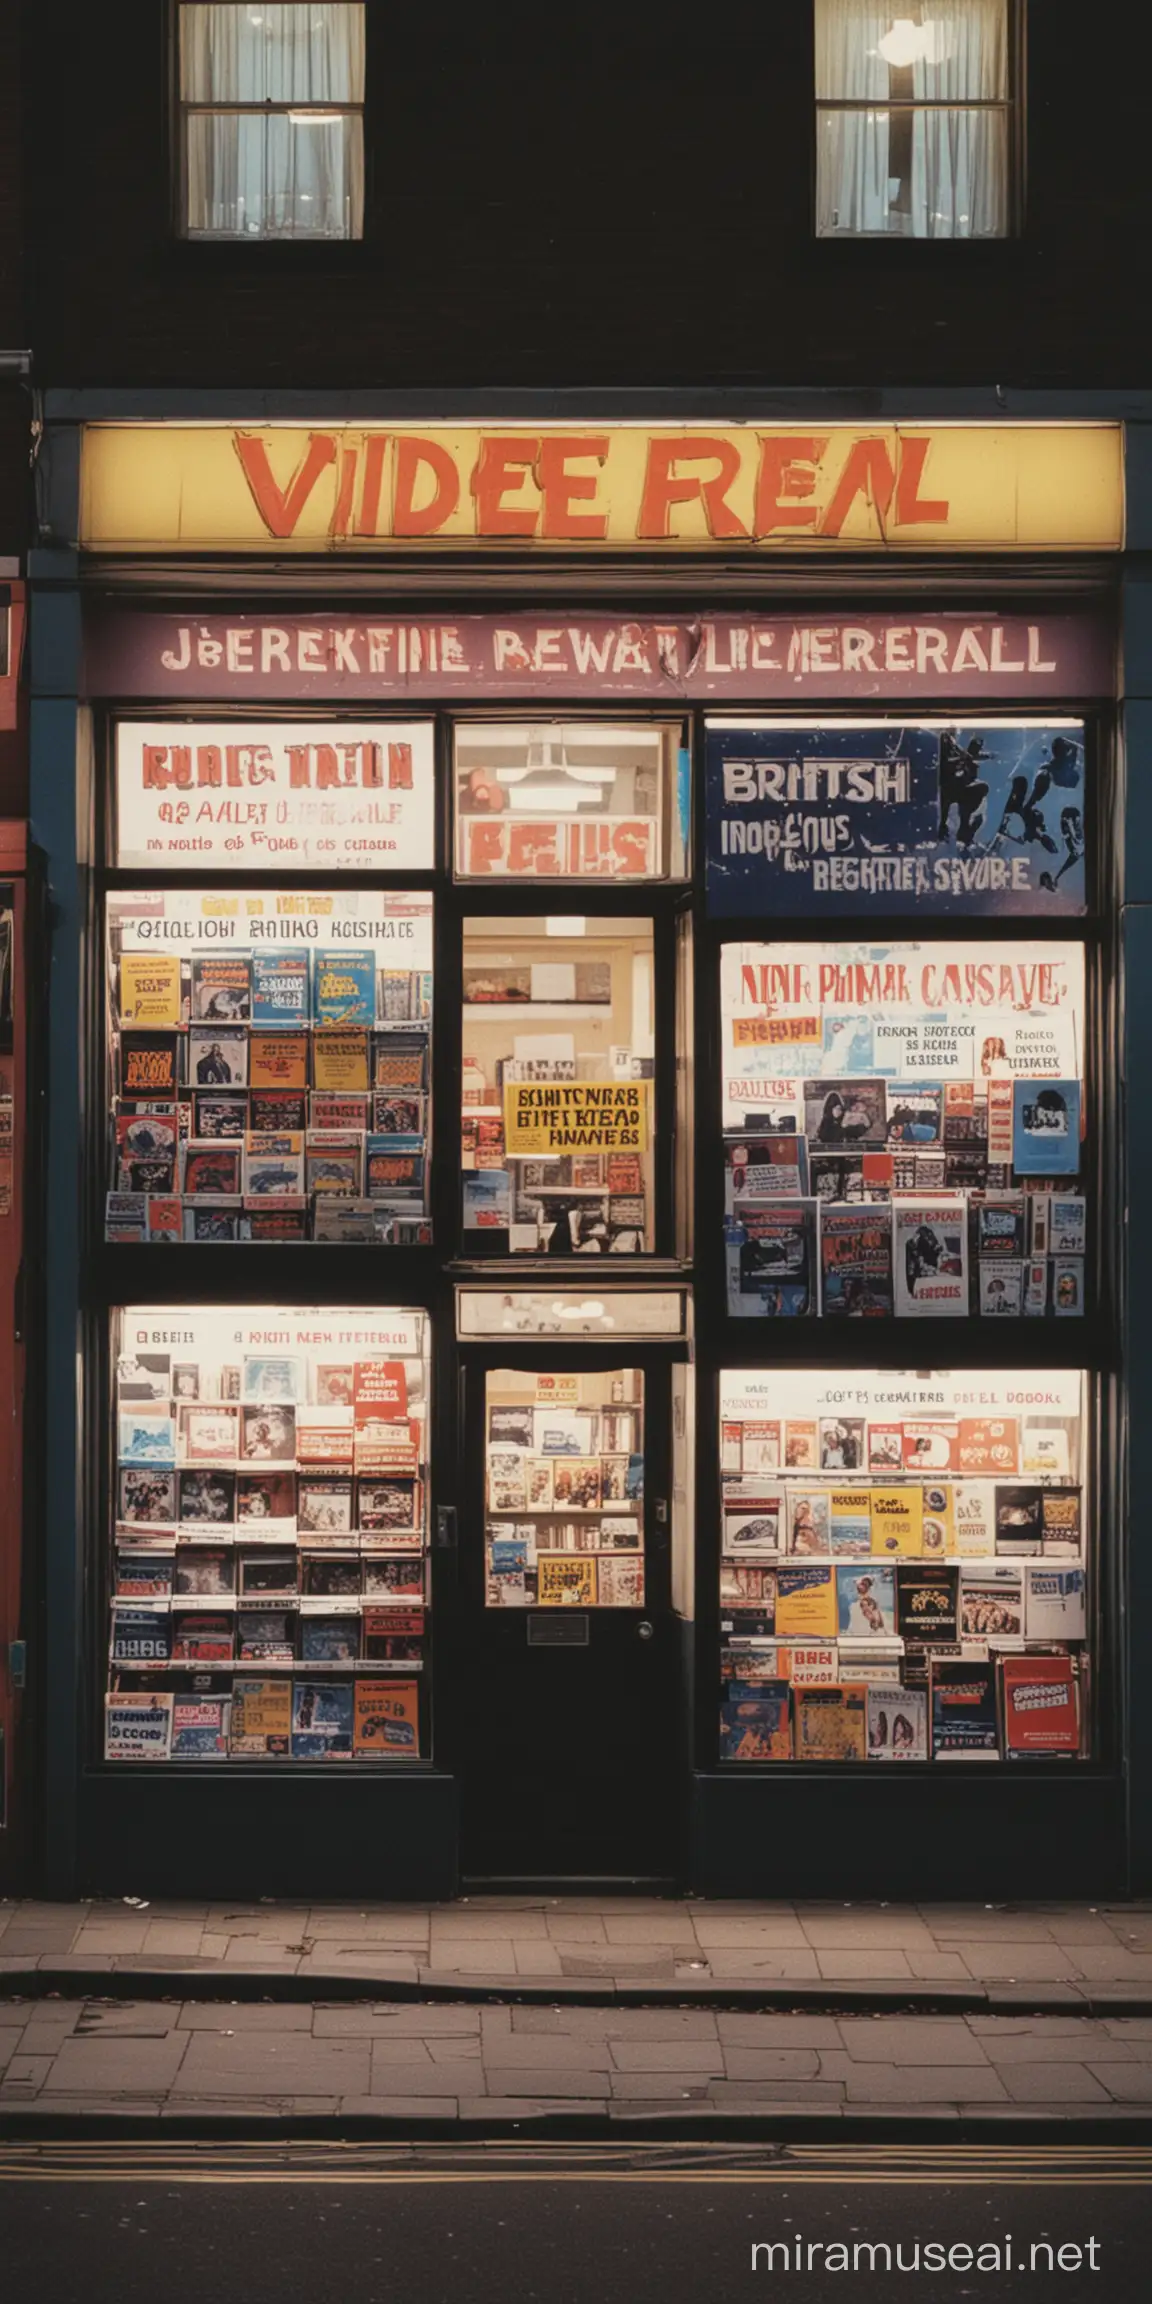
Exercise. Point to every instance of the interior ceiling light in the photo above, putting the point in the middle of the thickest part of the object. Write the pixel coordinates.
(547, 780)
(907, 42)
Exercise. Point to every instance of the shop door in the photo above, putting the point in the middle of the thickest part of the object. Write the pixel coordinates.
(566, 1664)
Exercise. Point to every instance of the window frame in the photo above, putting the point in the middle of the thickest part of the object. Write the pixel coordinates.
(1012, 105)
(183, 108)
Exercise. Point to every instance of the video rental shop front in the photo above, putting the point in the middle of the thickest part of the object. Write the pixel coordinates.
(597, 1332)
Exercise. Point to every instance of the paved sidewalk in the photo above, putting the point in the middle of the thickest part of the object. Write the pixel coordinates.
(69, 2060)
(1057, 1955)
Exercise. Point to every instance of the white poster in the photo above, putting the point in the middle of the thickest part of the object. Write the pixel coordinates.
(938, 1012)
(341, 796)
(396, 923)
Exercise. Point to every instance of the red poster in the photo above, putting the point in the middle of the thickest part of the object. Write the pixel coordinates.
(1041, 1713)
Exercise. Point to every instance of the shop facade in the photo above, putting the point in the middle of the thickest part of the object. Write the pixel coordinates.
(586, 998)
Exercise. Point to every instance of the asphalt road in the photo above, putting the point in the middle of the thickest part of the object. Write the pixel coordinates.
(237, 2223)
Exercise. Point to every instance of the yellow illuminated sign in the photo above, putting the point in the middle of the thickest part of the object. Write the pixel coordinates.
(347, 488)
(549, 1118)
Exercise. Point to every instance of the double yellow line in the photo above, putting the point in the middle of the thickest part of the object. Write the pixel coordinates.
(547, 2162)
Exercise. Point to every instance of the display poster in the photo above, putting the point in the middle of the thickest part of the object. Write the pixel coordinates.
(557, 848)
(347, 796)
(931, 1400)
(937, 1013)
(220, 1331)
(817, 820)
(398, 925)
(553, 1117)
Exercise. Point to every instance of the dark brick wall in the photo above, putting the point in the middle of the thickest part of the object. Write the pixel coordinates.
(14, 402)
(609, 198)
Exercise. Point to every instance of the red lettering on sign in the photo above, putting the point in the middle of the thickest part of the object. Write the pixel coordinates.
(561, 488)
(868, 472)
(664, 487)
(368, 518)
(787, 471)
(408, 517)
(280, 508)
(501, 467)
(912, 510)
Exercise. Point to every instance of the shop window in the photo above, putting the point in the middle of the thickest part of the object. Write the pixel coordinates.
(271, 109)
(268, 1569)
(913, 119)
(269, 1066)
(558, 1065)
(906, 1131)
(903, 1566)
(570, 801)
(564, 1489)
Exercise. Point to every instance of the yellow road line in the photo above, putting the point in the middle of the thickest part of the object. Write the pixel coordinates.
(951, 2180)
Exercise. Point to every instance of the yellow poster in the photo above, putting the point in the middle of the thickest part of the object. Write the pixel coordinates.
(806, 1601)
(150, 988)
(340, 1058)
(565, 1583)
(728, 488)
(549, 1117)
(897, 1520)
(261, 1715)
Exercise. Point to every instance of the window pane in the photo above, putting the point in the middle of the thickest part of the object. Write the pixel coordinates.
(277, 55)
(564, 1489)
(923, 175)
(904, 1565)
(268, 1571)
(269, 1066)
(275, 176)
(558, 1058)
(569, 801)
(943, 50)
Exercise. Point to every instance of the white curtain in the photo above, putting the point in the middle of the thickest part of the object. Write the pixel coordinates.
(959, 166)
(852, 156)
(960, 159)
(272, 175)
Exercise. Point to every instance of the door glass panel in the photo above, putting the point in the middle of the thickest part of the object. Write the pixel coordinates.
(558, 1049)
(564, 1489)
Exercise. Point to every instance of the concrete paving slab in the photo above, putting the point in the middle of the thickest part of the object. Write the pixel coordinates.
(246, 2016)
(354, 2022)
(910, 2040)
(99, 2066)
(1052, 2084)
(280, 2064)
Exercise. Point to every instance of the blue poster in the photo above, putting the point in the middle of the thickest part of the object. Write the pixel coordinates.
(1046, 1127)
(985, 817)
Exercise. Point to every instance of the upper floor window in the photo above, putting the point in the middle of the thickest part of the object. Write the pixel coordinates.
(913, 119)
(271, 104)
